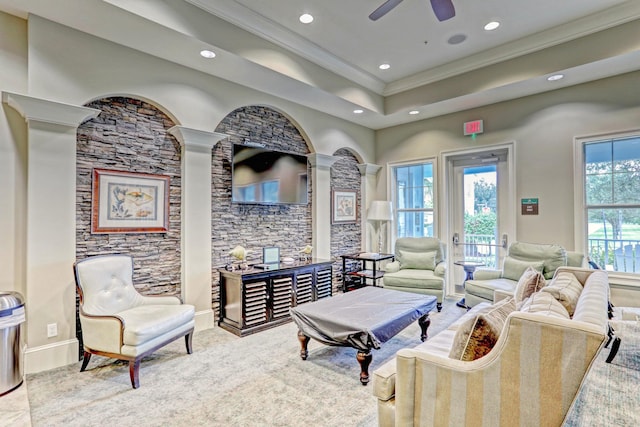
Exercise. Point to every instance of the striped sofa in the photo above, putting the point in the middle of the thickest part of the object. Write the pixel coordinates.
(529, 378)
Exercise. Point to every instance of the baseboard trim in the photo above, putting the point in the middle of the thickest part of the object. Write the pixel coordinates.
(50, 356)
(204, 320)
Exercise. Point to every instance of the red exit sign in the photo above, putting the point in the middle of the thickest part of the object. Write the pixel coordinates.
(473, 127)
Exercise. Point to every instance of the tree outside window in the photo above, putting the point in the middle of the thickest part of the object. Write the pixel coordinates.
(612, 195)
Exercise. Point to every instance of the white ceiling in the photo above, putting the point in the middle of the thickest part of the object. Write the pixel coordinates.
(331, 65)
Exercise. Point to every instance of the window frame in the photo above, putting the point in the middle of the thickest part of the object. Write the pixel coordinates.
(580, 202)
(392, 191)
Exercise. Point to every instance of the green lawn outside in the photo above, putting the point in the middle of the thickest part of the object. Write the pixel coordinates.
(629, 231)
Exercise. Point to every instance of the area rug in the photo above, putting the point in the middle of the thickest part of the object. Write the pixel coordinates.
(609, 395)
(257, 380)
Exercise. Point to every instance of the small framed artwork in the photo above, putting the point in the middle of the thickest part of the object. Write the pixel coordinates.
(129, 202)
(343, 206)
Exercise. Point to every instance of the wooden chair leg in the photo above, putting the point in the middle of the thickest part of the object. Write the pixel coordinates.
(614, 349)
(134, 372)
(187, 340)
(85, 361)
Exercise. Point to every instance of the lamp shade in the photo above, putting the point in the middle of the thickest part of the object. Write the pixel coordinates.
(380, 210)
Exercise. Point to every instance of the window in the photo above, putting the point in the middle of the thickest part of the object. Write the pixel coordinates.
(270, 191)
(414, 203)
(612, 202)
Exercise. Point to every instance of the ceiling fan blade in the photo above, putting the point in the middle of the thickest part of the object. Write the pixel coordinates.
(384, 9)
(443, 9)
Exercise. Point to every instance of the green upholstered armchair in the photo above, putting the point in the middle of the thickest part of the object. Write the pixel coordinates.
(520, 255)
(418, 267)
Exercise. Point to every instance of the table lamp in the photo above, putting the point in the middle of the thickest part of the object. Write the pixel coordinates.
(380, 212)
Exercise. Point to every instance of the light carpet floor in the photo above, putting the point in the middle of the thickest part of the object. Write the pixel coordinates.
(257, 380)
(260, 380)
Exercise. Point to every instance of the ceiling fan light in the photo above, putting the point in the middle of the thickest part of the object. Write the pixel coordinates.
(490, 26)
(306, 18)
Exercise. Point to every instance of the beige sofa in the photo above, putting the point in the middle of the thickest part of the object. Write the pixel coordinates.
(529, 378)
(419, 267)
(520, 255)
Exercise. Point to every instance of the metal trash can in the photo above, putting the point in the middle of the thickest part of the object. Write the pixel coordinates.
(12, 317)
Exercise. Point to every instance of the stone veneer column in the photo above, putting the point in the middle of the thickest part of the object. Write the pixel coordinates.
(321, 214)
(51, 228)
(196, 220)
(369, 174)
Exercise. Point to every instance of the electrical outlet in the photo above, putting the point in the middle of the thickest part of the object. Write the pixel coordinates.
(52, 330)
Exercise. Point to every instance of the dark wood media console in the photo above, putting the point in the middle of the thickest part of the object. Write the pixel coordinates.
(255, 300)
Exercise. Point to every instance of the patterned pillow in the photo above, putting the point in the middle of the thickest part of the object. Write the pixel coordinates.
(544, 303)
(417, 260)
(531, 281)
(477, 336)
(566, 288)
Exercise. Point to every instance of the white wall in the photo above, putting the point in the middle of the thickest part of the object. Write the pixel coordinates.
(69, 66)
(13, 77)
(543, 127)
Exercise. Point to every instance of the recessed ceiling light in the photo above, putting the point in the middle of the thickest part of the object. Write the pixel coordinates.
(207, 54)
(555, 77)
(492, 25)
(414, 112)
(358, 111)
(384, 66)
(305, 18)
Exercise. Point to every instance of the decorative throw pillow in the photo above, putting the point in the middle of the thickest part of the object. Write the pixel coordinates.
(417, 260)
(566, 288)
(477, 336)
(531, 281)
(544, 303)
(513, 268)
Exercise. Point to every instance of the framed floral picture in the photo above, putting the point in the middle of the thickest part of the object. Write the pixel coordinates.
(129, 202)
(344, 206)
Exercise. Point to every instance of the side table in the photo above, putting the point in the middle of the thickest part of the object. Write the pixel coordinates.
(469, 267)
(363, 273)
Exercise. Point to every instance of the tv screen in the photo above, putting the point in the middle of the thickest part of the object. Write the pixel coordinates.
(260, 175)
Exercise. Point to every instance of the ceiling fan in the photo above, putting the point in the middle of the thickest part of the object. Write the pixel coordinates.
(443, 9)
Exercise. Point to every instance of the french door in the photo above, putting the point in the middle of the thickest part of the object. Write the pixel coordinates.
(481, 209)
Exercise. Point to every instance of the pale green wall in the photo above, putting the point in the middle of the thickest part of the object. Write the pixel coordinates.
(13, 78)
(543, 127)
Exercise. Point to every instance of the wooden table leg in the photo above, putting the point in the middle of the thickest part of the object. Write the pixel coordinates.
(304, 340)
(364, 358)
(424, 323)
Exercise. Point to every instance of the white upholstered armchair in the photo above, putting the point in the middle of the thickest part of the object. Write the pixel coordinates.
(119, 322)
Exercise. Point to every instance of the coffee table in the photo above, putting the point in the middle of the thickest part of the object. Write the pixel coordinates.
(363, 319)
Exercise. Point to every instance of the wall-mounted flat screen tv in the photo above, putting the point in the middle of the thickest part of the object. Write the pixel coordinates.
(264, 176)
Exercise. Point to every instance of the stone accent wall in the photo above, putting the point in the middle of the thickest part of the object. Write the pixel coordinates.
(345, 238)
(254, 226)
(131, 135)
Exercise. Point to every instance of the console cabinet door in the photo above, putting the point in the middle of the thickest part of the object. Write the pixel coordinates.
(255, 303)
(281, 289)
(323, 282)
